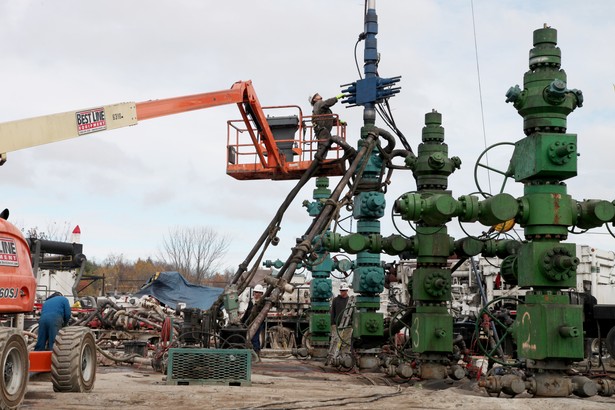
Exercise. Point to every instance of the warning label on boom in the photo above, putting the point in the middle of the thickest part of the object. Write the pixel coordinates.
(91, 121)
(8, 252)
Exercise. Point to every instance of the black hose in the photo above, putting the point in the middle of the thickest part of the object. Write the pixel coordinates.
(279, 214)
(318, 225)
(389, 138)
(273, 226)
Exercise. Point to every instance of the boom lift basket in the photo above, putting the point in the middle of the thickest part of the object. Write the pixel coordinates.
(295, 140)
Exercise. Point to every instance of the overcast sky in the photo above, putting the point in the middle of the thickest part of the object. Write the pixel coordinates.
(125, 188)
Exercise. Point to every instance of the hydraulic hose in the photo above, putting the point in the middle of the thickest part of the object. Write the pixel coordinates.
(318, 225)
(389, 138)
(280, 213)
(266, 236)
(398, 153)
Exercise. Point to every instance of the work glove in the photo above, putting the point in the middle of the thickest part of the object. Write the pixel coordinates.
(339, 97)
(343, 123)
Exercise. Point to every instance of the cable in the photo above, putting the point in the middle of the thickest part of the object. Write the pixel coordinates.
(333, 402)
(480, 91)
(356, 61)
(385, 115)
(126, 358)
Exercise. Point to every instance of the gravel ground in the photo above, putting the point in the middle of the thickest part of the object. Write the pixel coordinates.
(286, 384)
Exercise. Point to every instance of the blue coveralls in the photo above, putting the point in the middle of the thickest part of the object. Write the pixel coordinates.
(55, 315)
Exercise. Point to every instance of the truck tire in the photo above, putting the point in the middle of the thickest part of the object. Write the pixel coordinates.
(610, 342)
(73, 361)
(15, 363)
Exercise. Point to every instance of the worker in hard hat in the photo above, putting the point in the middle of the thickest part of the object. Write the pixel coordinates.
(55, 314)
(257, 294)
(341, 324)
(323, 119)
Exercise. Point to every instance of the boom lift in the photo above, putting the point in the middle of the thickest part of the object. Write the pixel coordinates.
(258, 147)
(254, 150)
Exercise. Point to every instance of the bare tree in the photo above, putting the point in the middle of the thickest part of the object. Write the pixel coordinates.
(55, 231)
(115, 267)
(196, 252)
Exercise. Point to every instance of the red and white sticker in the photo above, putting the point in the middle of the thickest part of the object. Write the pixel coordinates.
(91, 121)
(8, 252)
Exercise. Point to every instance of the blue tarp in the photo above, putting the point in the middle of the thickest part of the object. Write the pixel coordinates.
(171, 288)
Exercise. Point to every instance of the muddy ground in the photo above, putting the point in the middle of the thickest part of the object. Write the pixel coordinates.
(284, 383)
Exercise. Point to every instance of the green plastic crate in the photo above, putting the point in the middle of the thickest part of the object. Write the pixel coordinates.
(230, 367)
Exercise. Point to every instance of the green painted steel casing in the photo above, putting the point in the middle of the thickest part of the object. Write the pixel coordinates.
(434, 244)
(322, 190)
(369, 204)
(545, 101)
(497, 209)
(432, 330)
(320, 323)
(593, 213)
(431, 284)
(367, 324)
(549, 327)
(323, 265)
(369, 279)
(544, 156)
(321, 289)
(546, 264)
(432, 166)
(547, 210)
(438, 209)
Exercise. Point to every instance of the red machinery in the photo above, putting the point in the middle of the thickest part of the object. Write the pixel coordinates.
(73, 361)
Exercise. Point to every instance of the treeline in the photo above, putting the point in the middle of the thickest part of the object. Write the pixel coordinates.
(115, 275)
(197, 252)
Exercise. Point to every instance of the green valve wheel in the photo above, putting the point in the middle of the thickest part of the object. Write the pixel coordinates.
(478, 165)
(494, 332)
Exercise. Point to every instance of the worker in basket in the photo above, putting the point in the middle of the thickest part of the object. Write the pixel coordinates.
(323, 116)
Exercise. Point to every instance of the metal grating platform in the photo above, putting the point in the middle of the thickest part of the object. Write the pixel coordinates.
(209, 366)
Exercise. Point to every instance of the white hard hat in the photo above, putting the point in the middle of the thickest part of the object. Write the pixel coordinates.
(259, 288)
(311, 98)
(344, 286)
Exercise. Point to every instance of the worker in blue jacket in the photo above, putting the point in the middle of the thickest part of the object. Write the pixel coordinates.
(55, 315)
